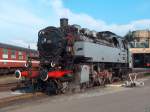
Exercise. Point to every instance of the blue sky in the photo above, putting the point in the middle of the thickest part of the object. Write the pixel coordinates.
(20, 20)
(112, 11)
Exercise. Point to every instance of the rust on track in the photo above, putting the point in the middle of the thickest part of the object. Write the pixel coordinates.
(13, 99)
(8, 86)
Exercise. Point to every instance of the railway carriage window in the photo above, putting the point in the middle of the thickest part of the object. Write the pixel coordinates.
(13, 54)
(20, 55)
(5, 53)
(4, 63)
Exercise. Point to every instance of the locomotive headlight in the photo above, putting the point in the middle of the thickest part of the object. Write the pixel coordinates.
(42, 32)
(53, 64)
(43, 40)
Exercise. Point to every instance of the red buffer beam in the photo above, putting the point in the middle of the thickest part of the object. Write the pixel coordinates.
(56, 74)
(26, 74)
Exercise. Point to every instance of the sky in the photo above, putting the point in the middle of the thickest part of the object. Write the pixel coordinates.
(20, 20)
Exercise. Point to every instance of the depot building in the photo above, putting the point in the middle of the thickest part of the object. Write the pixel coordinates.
(140, 48)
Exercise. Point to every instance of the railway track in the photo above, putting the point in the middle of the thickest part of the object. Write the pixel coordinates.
(4, 102)
(8, 86)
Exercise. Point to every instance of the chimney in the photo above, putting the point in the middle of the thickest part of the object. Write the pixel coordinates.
(63, 22)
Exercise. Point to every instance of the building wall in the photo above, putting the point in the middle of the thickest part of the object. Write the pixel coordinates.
(141, 39)
(140, 48)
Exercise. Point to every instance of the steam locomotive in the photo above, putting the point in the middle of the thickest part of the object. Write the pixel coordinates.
(70, 55)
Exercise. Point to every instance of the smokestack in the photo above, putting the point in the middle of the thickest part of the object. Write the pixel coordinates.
(63, 22)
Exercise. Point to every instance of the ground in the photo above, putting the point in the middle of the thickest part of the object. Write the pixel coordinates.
(109, 99)
(7, 79)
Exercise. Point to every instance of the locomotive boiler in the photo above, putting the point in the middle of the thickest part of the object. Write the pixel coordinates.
(70, 54)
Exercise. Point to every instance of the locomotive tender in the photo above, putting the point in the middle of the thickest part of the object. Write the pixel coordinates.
(70, 54)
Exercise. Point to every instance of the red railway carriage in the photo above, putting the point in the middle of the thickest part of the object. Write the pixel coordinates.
(14, 57)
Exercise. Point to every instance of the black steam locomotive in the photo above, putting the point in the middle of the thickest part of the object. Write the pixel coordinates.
(71, 55)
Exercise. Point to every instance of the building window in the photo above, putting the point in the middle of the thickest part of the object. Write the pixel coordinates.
(20, 55)
(5, 53)
(13, 54)
(139, 45)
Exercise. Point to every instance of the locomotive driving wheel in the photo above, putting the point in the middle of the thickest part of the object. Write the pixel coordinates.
(65, 87)
(51, 87)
